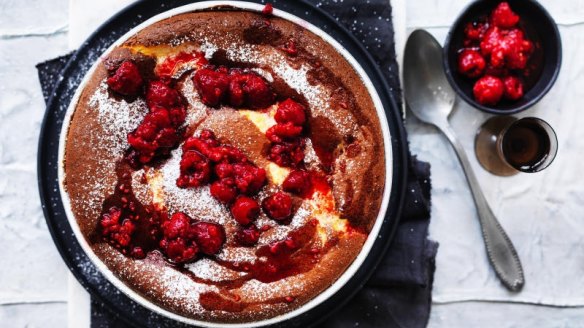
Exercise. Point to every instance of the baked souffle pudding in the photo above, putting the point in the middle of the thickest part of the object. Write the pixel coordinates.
(224, 164)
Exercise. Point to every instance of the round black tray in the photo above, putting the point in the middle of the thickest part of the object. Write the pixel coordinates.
(76, 259)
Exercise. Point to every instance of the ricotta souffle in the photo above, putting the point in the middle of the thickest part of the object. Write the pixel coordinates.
(224, 164)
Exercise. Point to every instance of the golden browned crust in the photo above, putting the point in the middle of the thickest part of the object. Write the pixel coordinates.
(348, 125)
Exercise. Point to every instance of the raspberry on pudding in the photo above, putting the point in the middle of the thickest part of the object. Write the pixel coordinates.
(237, 163)
(245, 210)
(278, 206)
(235, 87)
(127, 79)
(298, 182)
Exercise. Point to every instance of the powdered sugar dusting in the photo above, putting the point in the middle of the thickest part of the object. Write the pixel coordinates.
(237, 254)
(256, 290)
(196, 202)
(211, 270)
(280, 232)
(117, 117)
(184, 290)
(208, 48)
(196, 110)
(310, 158)
(263, 73)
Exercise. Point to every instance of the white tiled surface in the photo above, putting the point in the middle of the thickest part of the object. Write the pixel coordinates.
(543, 213)
(33, 284)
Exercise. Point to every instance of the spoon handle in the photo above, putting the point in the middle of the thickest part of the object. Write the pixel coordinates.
(500, 250)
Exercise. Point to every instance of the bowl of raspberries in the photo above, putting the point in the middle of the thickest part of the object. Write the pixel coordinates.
(502, 57)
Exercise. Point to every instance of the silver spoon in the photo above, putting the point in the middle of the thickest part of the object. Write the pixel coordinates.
(431, 99)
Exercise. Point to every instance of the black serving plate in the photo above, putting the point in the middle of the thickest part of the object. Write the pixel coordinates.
(76, 68)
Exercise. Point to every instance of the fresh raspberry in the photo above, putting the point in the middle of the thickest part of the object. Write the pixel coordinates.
(526, 45)
(297, 182)
(126, 80)
(137, 252)
(249, 89)
(474, 31)
(179, 225)
(245, 210)
(268, 9)
(290, 111)
(154, 136)
(513, 88)
(488, 90)
(519, 49)
(290, 48)
(115, 230)
(224, 170)
(249, 178)
(179, 250)
(212, 85)
(281, 132)
(217, 154)
(235, 155)
(159, 94)
(491, 40)
(287, 154)
(504, 49)
(178, 241)
(227, 153)
(471, 63)
(204, 143)
(177, 115)
(209, 236)
(195, 170)
(247, 236)
(498, 55)
(224, 190)
(237, 95)
(507, 47)
(286, 246)
(278, 206)
(110, 221)
(197, 144)
(502, 16)
(259, 93)
(150, 128)
(209, 137)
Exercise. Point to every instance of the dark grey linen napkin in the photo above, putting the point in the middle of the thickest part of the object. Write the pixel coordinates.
(399, 292)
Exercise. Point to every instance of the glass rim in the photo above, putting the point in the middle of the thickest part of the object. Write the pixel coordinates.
(551, 134)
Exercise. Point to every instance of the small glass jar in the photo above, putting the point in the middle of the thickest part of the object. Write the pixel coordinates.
(506, 145)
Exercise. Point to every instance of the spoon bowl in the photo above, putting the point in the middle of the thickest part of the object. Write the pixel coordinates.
(429, 95)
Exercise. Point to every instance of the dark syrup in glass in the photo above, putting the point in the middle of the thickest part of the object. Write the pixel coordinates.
(526, 145)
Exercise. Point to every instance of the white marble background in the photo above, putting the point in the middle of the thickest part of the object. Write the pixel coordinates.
(543, 213)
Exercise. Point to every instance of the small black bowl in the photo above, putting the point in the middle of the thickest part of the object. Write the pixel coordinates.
(539, 27)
